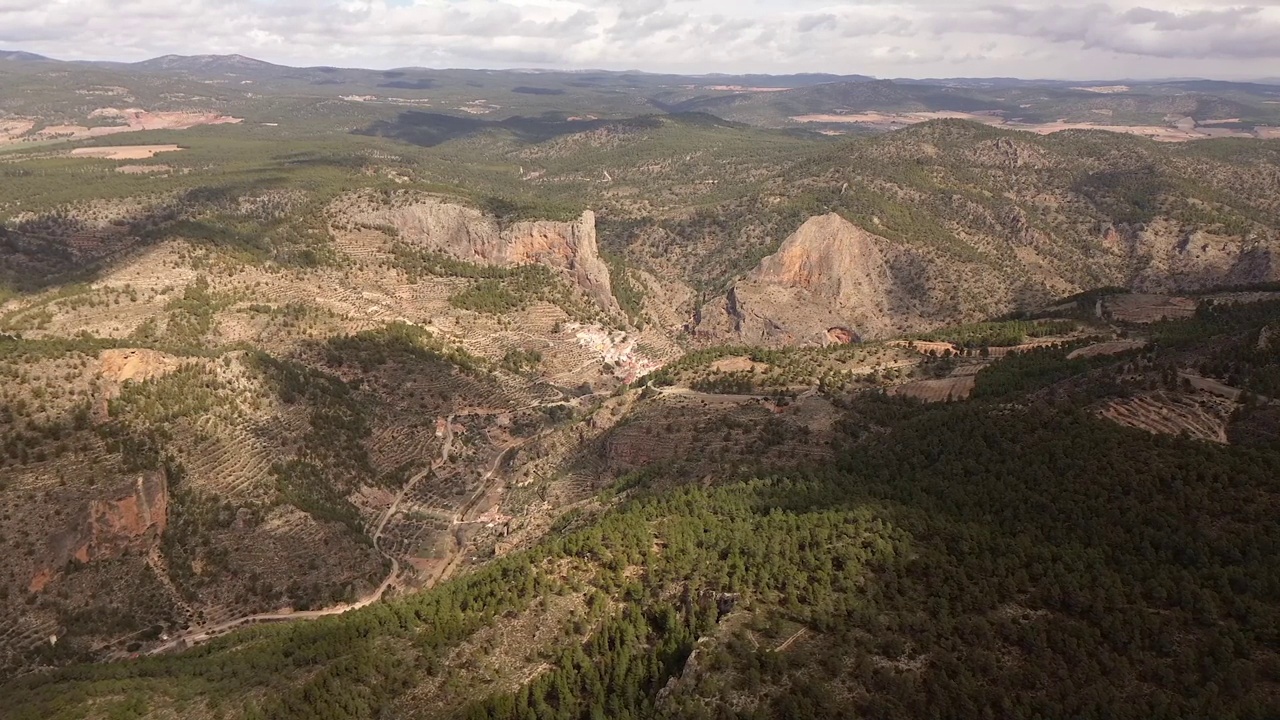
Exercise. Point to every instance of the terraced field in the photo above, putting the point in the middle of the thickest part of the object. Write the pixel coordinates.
(1199, 415)
(1113, 347)
(1142, 309)
(939, 390)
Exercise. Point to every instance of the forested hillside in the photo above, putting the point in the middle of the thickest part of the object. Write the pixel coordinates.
(1017, 556)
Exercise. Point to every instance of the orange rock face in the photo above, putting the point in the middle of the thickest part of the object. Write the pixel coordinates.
(110, 527)
(116, 524)
(827, 284)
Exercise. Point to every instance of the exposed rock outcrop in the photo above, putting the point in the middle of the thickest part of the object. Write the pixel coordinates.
(1163, 257)
(106, 528)
(834, 282)
(468, 234)
(828, 283)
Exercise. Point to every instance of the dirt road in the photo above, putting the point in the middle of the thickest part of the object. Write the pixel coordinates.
(199, 635)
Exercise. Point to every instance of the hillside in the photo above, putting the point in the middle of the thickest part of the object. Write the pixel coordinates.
(972, 222)
(1039, 540)
(455, 393)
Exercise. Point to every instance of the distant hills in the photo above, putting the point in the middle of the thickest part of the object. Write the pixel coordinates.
(20, 56)
(242, 63)
(204, 63)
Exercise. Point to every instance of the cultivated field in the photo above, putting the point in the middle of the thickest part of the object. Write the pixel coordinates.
(1200, 415)
(940, 390)
(1140, 308)
(1112, 347)
(124, 152)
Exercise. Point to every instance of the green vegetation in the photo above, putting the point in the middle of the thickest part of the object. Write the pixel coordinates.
(399, 343)
(519, 360)
(1025, 372)
(332, 458)
(496, 290)
(848, 554)
(781, 370)
(626, 290)
(525, 285)
(191, 316)
(967, 534)
(1000, 334)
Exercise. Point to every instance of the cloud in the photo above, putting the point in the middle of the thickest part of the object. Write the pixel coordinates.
(937, 37)
(1233, 33)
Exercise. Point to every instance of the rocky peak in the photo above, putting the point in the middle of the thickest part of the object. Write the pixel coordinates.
(828, 256)
(827, 283)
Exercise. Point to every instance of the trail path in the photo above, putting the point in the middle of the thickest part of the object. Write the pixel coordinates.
(196, 636)
(791, 640)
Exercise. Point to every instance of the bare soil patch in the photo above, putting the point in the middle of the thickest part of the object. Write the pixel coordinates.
(1200, 415)
(14, 128)
(1211, 386)
(879, 118)
(744, 88)
(1104, 89)
(143, 169)
(738, 363)
(999, 352)
(137, 364)
(924, 347)
(130, 120)
(1154, 132)
(125, 152)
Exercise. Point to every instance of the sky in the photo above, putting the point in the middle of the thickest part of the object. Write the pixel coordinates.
(909, 38)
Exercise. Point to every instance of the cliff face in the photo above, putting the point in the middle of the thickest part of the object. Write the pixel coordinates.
(828, 283)
(468, 234)
(132, 521)
(1165, 257)
(833, 282)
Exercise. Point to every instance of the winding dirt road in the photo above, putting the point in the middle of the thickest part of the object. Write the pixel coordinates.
(195, 636)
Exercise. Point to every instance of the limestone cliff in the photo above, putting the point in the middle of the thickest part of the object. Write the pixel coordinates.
(130, 520)
(468, 234)
(828, 283)
(833, 282)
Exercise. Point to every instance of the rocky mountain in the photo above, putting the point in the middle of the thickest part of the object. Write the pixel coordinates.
(556, 410)
(834, 282)
(468, 234)
(828, 283)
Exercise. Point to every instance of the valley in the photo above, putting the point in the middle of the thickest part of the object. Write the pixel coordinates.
(352, 393)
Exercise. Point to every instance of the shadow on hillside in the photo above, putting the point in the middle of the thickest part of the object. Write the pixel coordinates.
(428, 129)
(1126, 195)
(57, 248)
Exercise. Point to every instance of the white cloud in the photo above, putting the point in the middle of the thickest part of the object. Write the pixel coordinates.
(912, 37)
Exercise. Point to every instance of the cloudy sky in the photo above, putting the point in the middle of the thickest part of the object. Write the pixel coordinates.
(886, 38)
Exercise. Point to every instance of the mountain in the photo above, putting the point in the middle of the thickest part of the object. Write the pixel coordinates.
(20, 56)
(205, 64)
(828, 283)
(783, 81)
(845, 96)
